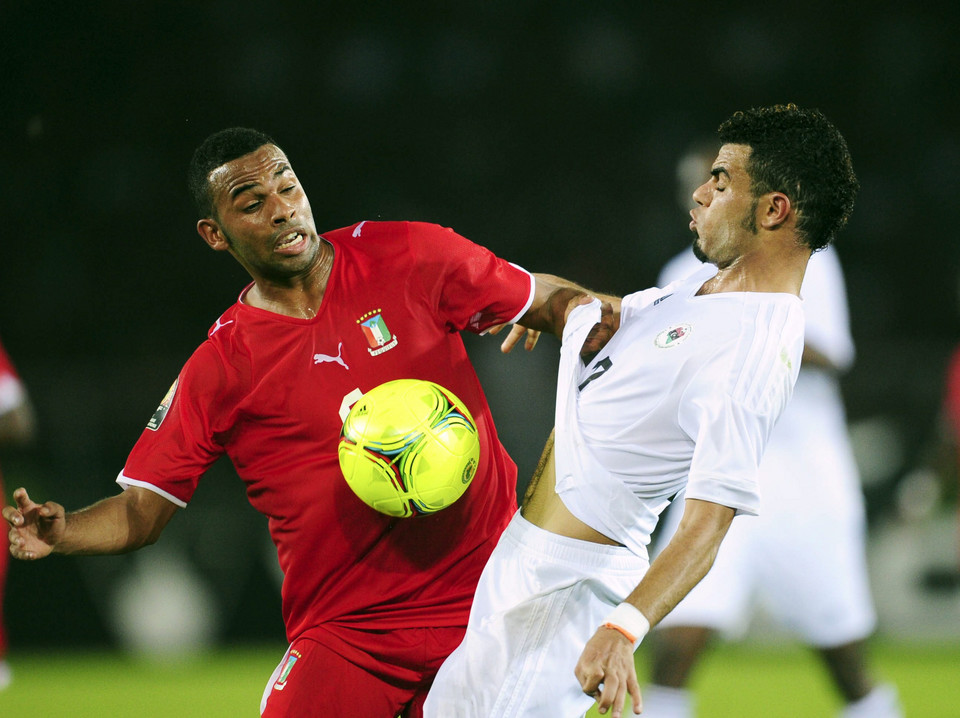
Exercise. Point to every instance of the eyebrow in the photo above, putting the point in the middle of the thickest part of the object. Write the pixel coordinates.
(717, 171)
(237, 191)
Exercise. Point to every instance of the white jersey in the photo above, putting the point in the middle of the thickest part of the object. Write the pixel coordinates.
(684, 395)
(812, 529)
(815, 415)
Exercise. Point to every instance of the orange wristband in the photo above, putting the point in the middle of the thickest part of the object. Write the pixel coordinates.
(620, 629)
(627, 620)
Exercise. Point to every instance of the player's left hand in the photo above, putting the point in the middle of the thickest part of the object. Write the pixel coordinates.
(513, 338)
(606, 672)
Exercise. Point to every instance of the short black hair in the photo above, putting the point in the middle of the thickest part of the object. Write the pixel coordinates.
(800, 153)
(218, 149)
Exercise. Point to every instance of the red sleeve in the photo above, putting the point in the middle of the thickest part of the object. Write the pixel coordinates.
(181, 439)
(6, 365)
(951, 402)
(470, 286)
(12, 392)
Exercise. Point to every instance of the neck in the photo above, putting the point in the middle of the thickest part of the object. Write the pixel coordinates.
(778, 270)
(300, 296)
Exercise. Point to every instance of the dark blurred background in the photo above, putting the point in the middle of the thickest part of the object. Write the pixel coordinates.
(547, 131)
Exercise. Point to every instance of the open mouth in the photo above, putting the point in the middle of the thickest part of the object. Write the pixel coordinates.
(291, 241)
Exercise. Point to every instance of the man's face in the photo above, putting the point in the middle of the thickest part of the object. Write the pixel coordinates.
(724, 219)
(262, 216)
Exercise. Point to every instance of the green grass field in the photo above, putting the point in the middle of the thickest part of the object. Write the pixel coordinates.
(735, 681)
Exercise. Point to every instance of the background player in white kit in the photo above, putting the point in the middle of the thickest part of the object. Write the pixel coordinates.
(804, 557)
(684, 395)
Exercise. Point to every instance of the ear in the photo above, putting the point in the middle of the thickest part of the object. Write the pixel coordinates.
(776, 208)
(212, 234)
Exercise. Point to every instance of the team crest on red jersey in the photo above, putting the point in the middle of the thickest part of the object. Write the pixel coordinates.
(285, 673)
(375, 330)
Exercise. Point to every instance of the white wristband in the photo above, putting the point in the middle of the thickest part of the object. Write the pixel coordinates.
(628, 620)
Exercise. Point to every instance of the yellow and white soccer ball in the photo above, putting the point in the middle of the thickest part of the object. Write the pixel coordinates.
(409, 447)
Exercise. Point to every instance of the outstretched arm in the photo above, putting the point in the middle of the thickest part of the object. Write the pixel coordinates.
(118, 524)
(607, 658)
(553, 301)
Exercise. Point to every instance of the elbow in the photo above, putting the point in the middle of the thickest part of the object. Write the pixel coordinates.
(151, 538)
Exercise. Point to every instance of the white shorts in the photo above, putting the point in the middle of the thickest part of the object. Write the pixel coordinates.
(540, 599)
(807, 570)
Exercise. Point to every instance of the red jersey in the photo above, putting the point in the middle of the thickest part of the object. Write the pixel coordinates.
(271, 392)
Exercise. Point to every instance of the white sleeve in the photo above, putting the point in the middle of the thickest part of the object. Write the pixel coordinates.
(825, 309)
(730, 408)
(11, 393)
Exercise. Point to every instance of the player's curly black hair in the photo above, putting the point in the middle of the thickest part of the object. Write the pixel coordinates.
(219, 148)
(800, 153)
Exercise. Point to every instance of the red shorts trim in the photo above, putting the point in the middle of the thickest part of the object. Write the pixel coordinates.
(376, 674)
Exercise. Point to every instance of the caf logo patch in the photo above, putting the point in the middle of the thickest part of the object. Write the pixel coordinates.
(160, 414)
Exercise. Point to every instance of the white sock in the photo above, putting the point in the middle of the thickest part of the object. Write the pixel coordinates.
(664, 702)
(6, 676)
(881, 702)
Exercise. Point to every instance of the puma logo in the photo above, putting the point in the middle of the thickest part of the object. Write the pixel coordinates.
(321, 358)
(218, 326)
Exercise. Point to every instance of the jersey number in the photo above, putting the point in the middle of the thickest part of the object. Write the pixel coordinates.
(598, 371)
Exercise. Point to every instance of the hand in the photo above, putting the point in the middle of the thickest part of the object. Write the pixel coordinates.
(513, 338)
(34, 528)
(606, 672)
(601, 333)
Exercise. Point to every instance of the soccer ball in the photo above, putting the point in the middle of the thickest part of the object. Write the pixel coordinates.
(409, 447)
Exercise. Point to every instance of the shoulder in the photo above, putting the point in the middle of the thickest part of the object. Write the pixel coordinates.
(367, 230)
(227, 348)
(769, 347)
(749, 347)
(388, 241)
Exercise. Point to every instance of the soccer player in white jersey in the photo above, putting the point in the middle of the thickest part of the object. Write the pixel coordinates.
(804, 557)
(683, 396)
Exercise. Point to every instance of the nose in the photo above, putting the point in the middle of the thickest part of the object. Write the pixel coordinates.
(284, 210)
(701, 195)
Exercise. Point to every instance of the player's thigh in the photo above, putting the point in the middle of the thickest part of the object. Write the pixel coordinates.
(818, 585)
(315, 680)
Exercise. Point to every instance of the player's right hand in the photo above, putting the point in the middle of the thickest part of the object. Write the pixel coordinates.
(34, 528)
(601, 333)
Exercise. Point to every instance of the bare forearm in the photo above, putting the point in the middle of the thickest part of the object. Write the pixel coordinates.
(566, 283)
(553, 300)
(684, 561)
(114, 525)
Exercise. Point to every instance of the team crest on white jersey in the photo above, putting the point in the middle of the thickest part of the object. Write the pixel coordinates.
(375, 330)
(669, 338)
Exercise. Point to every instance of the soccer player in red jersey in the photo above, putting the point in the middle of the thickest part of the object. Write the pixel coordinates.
(372, 604)
(16, 427)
